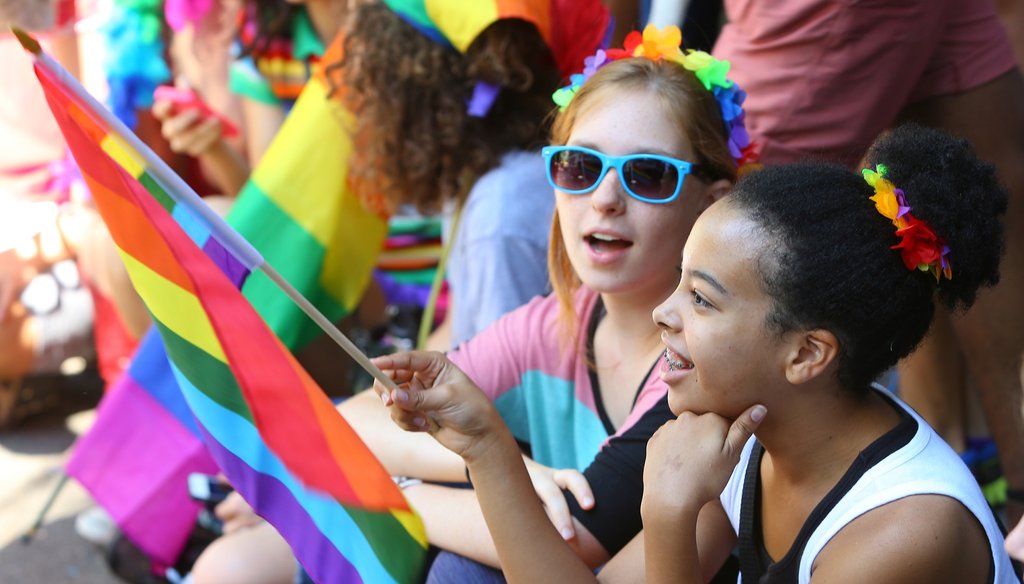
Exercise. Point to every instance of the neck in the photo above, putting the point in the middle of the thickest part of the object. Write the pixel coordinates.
(834, 424)
(629, 315)
(327, 17)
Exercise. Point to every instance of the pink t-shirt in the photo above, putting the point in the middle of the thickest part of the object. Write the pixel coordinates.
(543, 391)
(547, 396)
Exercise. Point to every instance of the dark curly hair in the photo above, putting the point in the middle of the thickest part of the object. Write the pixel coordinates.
(415, 142)
(830, 264)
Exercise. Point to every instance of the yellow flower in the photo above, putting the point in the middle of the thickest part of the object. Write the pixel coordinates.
(660, 44)
(885, 202)
(696, 60)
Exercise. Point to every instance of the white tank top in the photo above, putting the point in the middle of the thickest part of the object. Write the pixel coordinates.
(910, 470)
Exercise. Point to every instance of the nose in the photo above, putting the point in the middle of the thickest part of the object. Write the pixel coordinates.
(609, 197)
(666, 316)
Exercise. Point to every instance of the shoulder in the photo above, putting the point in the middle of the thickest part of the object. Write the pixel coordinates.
(529, 321)
(921, 538)
(245, 79)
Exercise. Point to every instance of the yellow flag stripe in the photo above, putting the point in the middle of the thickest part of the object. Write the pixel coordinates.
(174, 307)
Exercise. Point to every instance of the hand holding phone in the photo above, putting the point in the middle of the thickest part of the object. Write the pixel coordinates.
(183, 99)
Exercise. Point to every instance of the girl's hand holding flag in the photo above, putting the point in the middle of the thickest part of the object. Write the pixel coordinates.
(434, 396)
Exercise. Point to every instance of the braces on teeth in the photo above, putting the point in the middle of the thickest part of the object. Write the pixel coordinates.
(676, 365)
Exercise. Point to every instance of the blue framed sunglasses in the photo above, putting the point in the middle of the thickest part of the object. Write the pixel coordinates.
(650, 178)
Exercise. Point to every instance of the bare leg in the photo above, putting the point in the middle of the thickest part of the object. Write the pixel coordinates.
(257, 555)
(932, 382)
(991, 334)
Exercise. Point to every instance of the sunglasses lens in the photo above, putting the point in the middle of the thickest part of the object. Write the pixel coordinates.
(573, 170)
(651, 178)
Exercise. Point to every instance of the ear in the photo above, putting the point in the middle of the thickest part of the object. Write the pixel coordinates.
(811, 354)
(715, 192)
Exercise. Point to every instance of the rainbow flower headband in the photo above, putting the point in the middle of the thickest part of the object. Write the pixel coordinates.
(665, 44)
(920, 248)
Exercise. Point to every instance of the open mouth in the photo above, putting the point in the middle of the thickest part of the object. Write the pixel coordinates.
(600, 242)
(677, 362)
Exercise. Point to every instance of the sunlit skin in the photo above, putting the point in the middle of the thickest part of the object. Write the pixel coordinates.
(713, 325)
(643, 261)
(731, 375)
(723, 360)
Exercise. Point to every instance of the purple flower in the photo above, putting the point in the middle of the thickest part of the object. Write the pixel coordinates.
(593, 63)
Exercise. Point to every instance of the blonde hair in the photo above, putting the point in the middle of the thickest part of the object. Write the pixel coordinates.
(684, 101)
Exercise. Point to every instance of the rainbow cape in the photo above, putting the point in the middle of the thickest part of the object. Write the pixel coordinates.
(270, 429)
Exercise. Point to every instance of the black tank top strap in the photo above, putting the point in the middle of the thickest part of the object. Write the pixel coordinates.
(750, 567)
(753, 552)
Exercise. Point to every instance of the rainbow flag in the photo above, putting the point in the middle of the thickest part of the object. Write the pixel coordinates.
(298, 211)
(136, 458)
(268, 426)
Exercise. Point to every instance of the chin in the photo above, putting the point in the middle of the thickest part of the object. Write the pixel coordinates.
(679, 404)
(605, 280)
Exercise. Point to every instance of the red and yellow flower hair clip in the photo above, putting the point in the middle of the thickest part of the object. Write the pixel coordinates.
(919, 246)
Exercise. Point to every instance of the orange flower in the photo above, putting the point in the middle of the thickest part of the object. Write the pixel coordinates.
(660, 44)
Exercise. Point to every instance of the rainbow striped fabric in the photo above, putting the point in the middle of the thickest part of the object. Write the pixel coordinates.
(269, 427)
(571, 28)
(298, 211)
(136, 458)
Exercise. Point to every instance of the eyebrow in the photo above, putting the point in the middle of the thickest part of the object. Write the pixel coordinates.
(710, 280)
(658, 151)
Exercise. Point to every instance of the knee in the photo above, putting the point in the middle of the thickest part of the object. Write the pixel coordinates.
(220, 563)
(238, 560)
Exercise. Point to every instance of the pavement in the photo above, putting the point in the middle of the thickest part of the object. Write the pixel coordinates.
(32, 456)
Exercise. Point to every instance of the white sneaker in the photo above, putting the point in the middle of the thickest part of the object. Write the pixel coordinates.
(96, 526)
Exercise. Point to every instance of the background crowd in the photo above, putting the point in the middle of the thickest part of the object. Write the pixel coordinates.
(544, 302)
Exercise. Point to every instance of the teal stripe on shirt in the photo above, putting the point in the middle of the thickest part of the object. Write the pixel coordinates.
(543, 410)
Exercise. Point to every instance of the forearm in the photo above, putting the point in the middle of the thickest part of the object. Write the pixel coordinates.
(454, 521)
(225, 167)
(529, 547)
(670, 546)
(401, 452)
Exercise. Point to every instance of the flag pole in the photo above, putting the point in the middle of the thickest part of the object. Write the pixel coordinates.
(183, 194)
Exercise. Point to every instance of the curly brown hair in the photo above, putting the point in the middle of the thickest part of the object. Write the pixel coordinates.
(415, 142)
